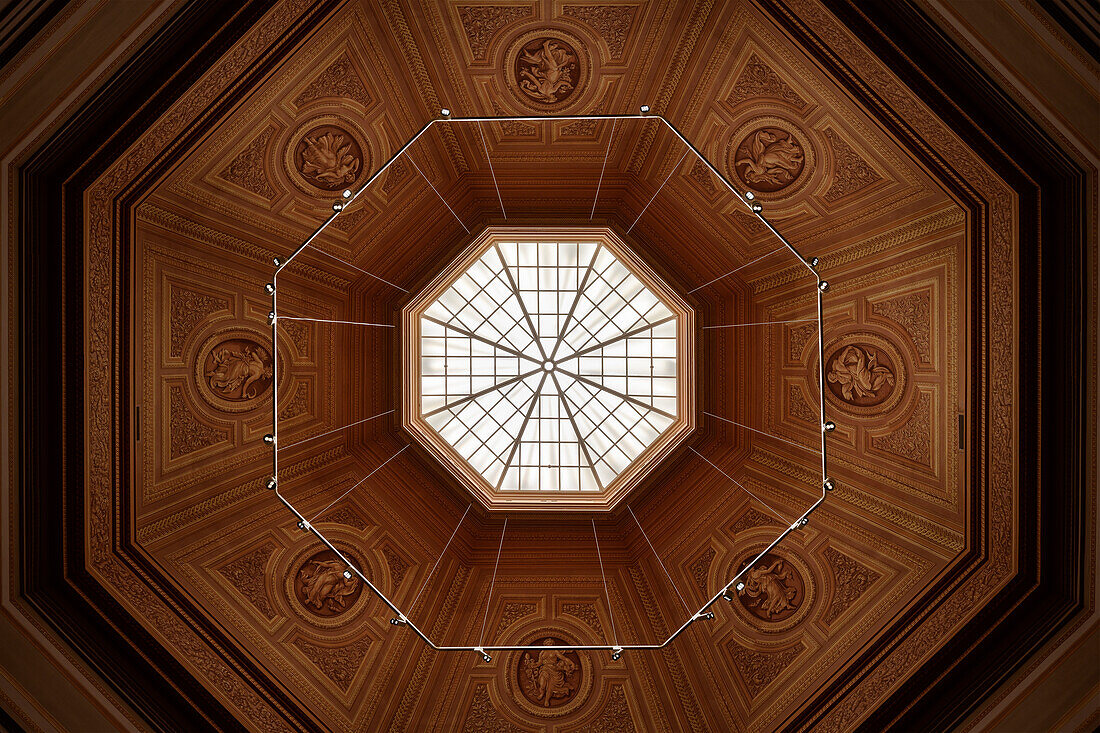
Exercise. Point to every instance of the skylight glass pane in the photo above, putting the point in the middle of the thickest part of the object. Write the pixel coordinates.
(548, 366)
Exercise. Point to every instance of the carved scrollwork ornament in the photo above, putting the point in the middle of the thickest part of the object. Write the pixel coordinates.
(865, 373)
(322, 587)
(547, 69)
(549, 683)
(774, 593)
(234, 368)
(328, 153)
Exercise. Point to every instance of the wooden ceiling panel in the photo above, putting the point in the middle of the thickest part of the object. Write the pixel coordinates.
(332, 115)
(259, 613)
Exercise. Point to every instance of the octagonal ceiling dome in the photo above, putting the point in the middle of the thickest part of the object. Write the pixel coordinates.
(548, 367)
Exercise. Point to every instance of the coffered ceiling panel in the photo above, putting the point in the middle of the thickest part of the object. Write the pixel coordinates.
(917, 232)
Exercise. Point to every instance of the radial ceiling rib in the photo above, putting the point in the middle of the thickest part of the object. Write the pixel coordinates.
(615, 431)
(628, 334)
(483, 301)
(577, 431)
(519, 300)
(614, 302)
(519, 433)
(483, 429)
(475, 395)
(456, 365)
(576, 299)
(621, 395)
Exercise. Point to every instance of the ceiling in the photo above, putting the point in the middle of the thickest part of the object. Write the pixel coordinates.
(926, 228)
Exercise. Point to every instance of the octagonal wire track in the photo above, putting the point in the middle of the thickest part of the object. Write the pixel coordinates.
(752, 207)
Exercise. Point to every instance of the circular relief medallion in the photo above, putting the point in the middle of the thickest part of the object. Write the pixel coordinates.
(773, 588)
(769, 159)
(864, 374)
(328, 157)
(549, 682)
(233, 369)
(548, 69)
(322, 589)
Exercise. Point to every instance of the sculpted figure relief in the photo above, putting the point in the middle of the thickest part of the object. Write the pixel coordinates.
(546, 70)
(769, 159)
(328, 157)
(322, 587)
(551, 677)
(238, 370)
(859, 376)
(770, 590)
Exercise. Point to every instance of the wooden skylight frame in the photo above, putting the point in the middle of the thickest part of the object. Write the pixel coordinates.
(494, 497)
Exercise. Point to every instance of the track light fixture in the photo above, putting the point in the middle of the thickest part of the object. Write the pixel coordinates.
(548, 365)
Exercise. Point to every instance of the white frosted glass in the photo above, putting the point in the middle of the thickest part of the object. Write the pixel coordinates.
(519, 305)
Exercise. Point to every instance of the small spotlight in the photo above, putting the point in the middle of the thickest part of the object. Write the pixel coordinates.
(347, 193)
(347, 575)
(272, 483)
(828, 485)
(749, 195)
(726, 595)
(757, 207)
(644, 109)
(277, 260)
(740, 586)
(269, 439)
(399, 621)
(823, 286)
(270, 318)
(269, 288)
(616, 654)
(814, 261)
(485, 656)
(304, 525)
(337, 206)
(829, 426)
(803, 522)
(445, 112)
(709, 615)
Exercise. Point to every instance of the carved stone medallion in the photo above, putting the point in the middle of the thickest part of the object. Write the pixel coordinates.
(329, 158)
(549, 682)
(549, 678)
(780, 589)
(233, 368)
(773, 157)
(864, 374)
(238, 370)
(769, 159)
(860, 374)
(322, 589)
(773, 590)
(546, 70)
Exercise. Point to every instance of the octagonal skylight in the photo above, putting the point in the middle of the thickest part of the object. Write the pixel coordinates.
(548, 366)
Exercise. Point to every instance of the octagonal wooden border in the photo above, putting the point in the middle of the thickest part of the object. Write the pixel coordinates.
(497, 500)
